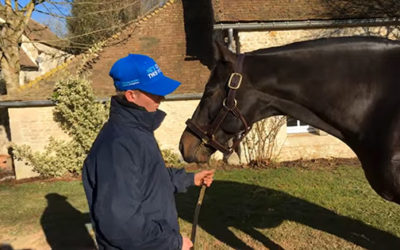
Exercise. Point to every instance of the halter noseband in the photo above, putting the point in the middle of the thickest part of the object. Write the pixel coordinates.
(229, 104)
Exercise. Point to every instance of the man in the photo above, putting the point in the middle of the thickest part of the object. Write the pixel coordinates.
(129, 190)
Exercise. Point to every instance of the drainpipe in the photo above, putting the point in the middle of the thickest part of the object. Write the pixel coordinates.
(233, 41)
(230, 39)
(237, 41)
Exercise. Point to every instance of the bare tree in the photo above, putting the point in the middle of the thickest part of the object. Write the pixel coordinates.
(365, 9)
(261, 146)
(109, 17)
(362, 8)
(16, 18)
(95, 21)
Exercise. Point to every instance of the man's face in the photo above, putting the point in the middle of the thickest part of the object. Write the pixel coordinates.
(148, 101)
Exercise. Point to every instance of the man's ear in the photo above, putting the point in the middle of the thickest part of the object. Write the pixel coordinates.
(131, 95)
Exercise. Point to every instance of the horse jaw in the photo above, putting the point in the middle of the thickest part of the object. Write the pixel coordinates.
(192, 149)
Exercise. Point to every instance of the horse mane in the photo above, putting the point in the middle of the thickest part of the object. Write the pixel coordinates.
(327, 41)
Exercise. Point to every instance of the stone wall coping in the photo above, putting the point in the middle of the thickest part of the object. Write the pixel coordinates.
(47, 103)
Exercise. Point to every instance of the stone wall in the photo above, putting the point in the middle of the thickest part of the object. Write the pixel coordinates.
(170, 131)
(289, 147)
(4, 142)
(253, 40)
(5, 160)
(34, 126)
(4, 136)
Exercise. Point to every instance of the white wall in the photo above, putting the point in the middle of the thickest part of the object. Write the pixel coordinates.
(45, 57)
(34, 126)
(253, 40)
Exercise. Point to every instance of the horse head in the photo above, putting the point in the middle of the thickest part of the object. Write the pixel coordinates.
(223, 117)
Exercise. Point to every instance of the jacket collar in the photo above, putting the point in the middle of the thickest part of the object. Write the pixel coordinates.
(132, 115)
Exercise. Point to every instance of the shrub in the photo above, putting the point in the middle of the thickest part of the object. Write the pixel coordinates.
(171, 159)
(260, 145)
(57, 159)
(79, 113)
(81, 116)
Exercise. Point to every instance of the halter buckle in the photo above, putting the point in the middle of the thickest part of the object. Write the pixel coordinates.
(234, 76)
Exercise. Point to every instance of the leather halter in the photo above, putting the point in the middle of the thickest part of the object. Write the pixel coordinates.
(229, 105)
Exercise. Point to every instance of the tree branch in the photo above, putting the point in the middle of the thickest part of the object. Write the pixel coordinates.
(16, 5)
(28, 13)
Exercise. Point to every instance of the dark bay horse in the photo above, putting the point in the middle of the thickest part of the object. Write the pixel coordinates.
(348, 87)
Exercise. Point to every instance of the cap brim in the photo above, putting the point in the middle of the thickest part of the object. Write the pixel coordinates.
(161, 87)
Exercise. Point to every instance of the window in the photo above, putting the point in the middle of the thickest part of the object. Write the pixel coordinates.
(297, 126)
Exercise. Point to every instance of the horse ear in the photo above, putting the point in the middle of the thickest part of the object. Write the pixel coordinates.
(222, 53)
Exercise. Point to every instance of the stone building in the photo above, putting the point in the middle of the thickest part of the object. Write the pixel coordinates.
(178, 35)
(41, 51)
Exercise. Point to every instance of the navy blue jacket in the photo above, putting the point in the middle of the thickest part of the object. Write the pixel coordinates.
(129, 190)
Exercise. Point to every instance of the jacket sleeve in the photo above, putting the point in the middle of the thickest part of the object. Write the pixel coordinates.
(180, 179)
(117, 208)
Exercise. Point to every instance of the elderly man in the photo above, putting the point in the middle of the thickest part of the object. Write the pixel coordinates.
(129, 190)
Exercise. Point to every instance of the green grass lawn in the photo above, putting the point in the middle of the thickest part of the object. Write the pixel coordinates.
(290, 208)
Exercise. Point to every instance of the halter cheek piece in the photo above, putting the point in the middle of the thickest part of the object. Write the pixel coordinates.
(229, 105)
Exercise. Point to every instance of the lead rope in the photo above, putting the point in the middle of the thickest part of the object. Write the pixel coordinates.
(196, 214)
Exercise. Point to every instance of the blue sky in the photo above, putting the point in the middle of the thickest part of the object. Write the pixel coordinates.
(57, 25)
(61, 10)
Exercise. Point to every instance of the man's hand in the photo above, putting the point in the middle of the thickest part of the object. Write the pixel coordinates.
(186, 243)
(204, 177)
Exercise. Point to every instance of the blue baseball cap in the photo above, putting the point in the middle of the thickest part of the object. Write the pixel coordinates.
(141, 72)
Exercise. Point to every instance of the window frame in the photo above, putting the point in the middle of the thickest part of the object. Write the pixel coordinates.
(298, 128)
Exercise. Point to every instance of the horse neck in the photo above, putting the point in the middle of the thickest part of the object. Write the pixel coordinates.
(281, 92)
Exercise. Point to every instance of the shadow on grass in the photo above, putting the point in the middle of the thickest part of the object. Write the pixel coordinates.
(64, 225)
(246, 207)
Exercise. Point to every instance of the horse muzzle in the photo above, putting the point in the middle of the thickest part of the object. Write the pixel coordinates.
(192, 148)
